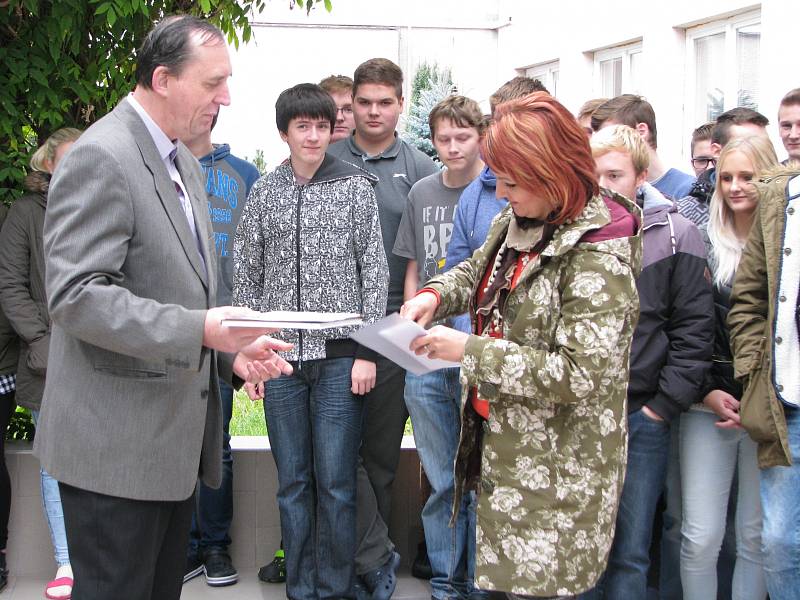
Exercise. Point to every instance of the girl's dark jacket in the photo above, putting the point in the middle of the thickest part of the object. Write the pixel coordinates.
(22, 293)
(720, 376)
(9, 342)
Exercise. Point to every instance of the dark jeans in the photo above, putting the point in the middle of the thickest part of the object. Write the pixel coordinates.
(315, 431)
(215, 507)
(125, 549)
(385, 418)
(374, 548)
(6, 410)
(648, 450)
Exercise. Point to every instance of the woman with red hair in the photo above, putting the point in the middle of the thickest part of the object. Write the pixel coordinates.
(553, 301)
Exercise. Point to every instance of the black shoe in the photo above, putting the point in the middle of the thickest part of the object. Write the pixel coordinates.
(3, 571)
(274, 572)
(219, 568)
(382, 582)
(421, 567)
(194, 566)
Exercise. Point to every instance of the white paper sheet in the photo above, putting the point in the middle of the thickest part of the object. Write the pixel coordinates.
(391, 337)
(283, 319)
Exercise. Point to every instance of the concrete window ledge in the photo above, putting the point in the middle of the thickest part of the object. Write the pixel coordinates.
(256, 524)
(249, 443)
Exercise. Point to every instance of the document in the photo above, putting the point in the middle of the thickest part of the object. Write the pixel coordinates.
(391, 337)
(285, 319)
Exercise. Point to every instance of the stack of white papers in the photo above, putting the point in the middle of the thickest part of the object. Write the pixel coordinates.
(284, 319)
(391, 337)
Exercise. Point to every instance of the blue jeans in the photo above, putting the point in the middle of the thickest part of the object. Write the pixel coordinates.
(433, 401)
(315, 432)
(51, 505)
(710, 457)
(648, 451)
(215, 507)
(669, 581)
(780, 536)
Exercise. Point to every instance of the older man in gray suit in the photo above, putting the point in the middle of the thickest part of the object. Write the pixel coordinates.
(131, 411)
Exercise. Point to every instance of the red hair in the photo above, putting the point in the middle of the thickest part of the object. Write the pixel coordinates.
(542, 148)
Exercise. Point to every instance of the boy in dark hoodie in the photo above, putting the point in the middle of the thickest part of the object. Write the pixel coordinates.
(670, 355)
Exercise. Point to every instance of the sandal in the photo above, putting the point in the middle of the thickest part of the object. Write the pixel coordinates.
(60, 582)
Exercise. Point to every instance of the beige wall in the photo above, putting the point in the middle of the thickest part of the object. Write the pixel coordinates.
(256, 525)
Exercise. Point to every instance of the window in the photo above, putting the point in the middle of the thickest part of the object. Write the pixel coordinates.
(547, 73)
(723, 67)
(618, 70)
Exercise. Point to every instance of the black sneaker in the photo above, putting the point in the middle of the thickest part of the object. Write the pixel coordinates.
(274, 572)
(219, 568)
(3, 571)
(421, 567)
(194, 566)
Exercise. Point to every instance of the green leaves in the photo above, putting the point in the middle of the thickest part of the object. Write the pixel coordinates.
(68, 63)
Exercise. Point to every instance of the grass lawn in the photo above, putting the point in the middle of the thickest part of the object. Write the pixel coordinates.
(248, 417)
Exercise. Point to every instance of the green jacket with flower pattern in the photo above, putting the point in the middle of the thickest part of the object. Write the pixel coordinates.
(549, 463)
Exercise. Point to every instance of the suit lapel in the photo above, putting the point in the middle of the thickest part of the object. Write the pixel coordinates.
(165, 190)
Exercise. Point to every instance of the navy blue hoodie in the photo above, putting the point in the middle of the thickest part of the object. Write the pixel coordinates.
(477, 208)
(228, 182)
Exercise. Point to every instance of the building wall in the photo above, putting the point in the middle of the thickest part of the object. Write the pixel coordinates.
(571, 32)
(290, 47)
(255, 530)
(485, 43)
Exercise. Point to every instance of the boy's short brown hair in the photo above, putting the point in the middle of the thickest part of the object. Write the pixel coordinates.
(630, 110)
(588, 108)
(515, 88)
(379, 71)
(701, 134)
(739, 115)
(334, 84)
(462, 111)
(791, 98)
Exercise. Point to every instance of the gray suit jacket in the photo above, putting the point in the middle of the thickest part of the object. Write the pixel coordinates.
(131, 404)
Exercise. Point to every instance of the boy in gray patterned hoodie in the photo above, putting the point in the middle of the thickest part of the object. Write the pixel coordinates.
(310, 240)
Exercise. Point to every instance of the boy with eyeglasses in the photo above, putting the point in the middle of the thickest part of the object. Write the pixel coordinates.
(340, 88)
(703, 157)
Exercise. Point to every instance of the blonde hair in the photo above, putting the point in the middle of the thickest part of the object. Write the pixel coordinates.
(47, 151)
(726, 248)
(621, 138)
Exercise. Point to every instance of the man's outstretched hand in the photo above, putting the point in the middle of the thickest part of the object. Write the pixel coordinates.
(259, 361)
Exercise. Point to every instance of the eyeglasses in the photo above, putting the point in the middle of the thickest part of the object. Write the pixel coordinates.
(345, 110)
(702, 162)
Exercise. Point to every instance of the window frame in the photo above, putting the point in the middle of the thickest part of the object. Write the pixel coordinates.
(544, 72)
(728, 26)
(623, 51)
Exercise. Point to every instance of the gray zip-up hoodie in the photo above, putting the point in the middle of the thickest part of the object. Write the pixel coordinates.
(313, 247)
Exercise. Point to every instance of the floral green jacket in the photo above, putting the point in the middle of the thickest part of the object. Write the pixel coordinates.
(549, 463)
